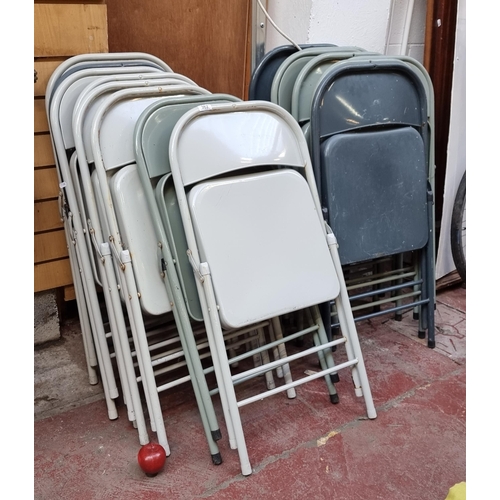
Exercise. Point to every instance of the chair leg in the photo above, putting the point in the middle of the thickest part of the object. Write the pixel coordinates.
(225, 373)
(431, 280)
(277, 333)
(102, 350)
(122, 346)
(348, 327)
(325, 357)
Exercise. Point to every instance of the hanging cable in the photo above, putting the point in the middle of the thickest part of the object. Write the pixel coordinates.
(276, 27)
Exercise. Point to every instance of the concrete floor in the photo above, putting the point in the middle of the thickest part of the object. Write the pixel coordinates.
(300, 448)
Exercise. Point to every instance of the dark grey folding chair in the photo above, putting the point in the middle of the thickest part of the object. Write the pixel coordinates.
(370, 143)
(263, 75)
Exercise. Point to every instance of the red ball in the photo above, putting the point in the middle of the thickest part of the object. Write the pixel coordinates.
(151, 458)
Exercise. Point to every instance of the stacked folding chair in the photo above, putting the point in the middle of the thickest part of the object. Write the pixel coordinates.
(257, 242)
(101, 268)
(194, 226)
(89, 306)
(376, 193)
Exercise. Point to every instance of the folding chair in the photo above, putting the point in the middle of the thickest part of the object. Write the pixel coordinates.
(306, 81)
(111, 60)
(75, 209)
(126, 220)
(120, 213)
(153, 128)
(257, 242)
(262, 77)
(370, 143)
(141, 62)
(60, 113)
(94, 336)
(124, 190)
(286, 74)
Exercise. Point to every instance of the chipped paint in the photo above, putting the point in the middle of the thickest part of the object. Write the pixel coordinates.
(322, 441)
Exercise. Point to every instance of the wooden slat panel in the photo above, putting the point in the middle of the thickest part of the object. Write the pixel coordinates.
(40, 120)
(44, 70)
(53, 274)
(70, 29)
(69, 293)
(44, 154)
(70, 1)
(50, 246)
(46, 184)
(47, 216)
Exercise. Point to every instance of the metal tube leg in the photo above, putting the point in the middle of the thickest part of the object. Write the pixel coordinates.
(83, 312)
(142, 348)
(211, 315)
(121, 337)
(278, 333)
(102, 351)
(348, 326)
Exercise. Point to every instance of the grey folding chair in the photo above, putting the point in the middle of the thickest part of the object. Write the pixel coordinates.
(370, 142)
(286, 74)
(116, 163)
(257, 241)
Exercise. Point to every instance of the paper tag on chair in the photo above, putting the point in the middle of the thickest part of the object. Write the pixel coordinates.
(205, 107)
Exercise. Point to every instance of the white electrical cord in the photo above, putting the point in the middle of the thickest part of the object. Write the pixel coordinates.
(276, 27)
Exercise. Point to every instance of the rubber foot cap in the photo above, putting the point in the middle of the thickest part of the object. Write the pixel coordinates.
(398, 317)
(217, 459)
(334, 377)
(334, 399)
(216, 435)
(415, 315)
(431, 344)
(421, 335)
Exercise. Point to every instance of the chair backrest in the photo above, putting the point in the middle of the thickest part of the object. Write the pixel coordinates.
(153, 129)
(370, 155)
(70, 90)
(309, 77)
(122, 206)
(262, 77)
(114, 59)
(249, 213)
(286, 74)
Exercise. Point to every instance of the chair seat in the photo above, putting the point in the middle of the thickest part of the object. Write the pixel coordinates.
(376, 185)
(137, 232)
(246, 227)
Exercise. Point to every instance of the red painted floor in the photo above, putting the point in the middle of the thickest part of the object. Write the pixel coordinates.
(300, 448)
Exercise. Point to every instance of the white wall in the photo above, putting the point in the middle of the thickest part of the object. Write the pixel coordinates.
(377, 25)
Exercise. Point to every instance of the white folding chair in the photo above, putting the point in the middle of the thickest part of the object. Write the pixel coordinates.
(152, 130)
(124, 225)
(139, 62)
(257, 241)
(88, 303)
(94, 60)
(86, 258)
